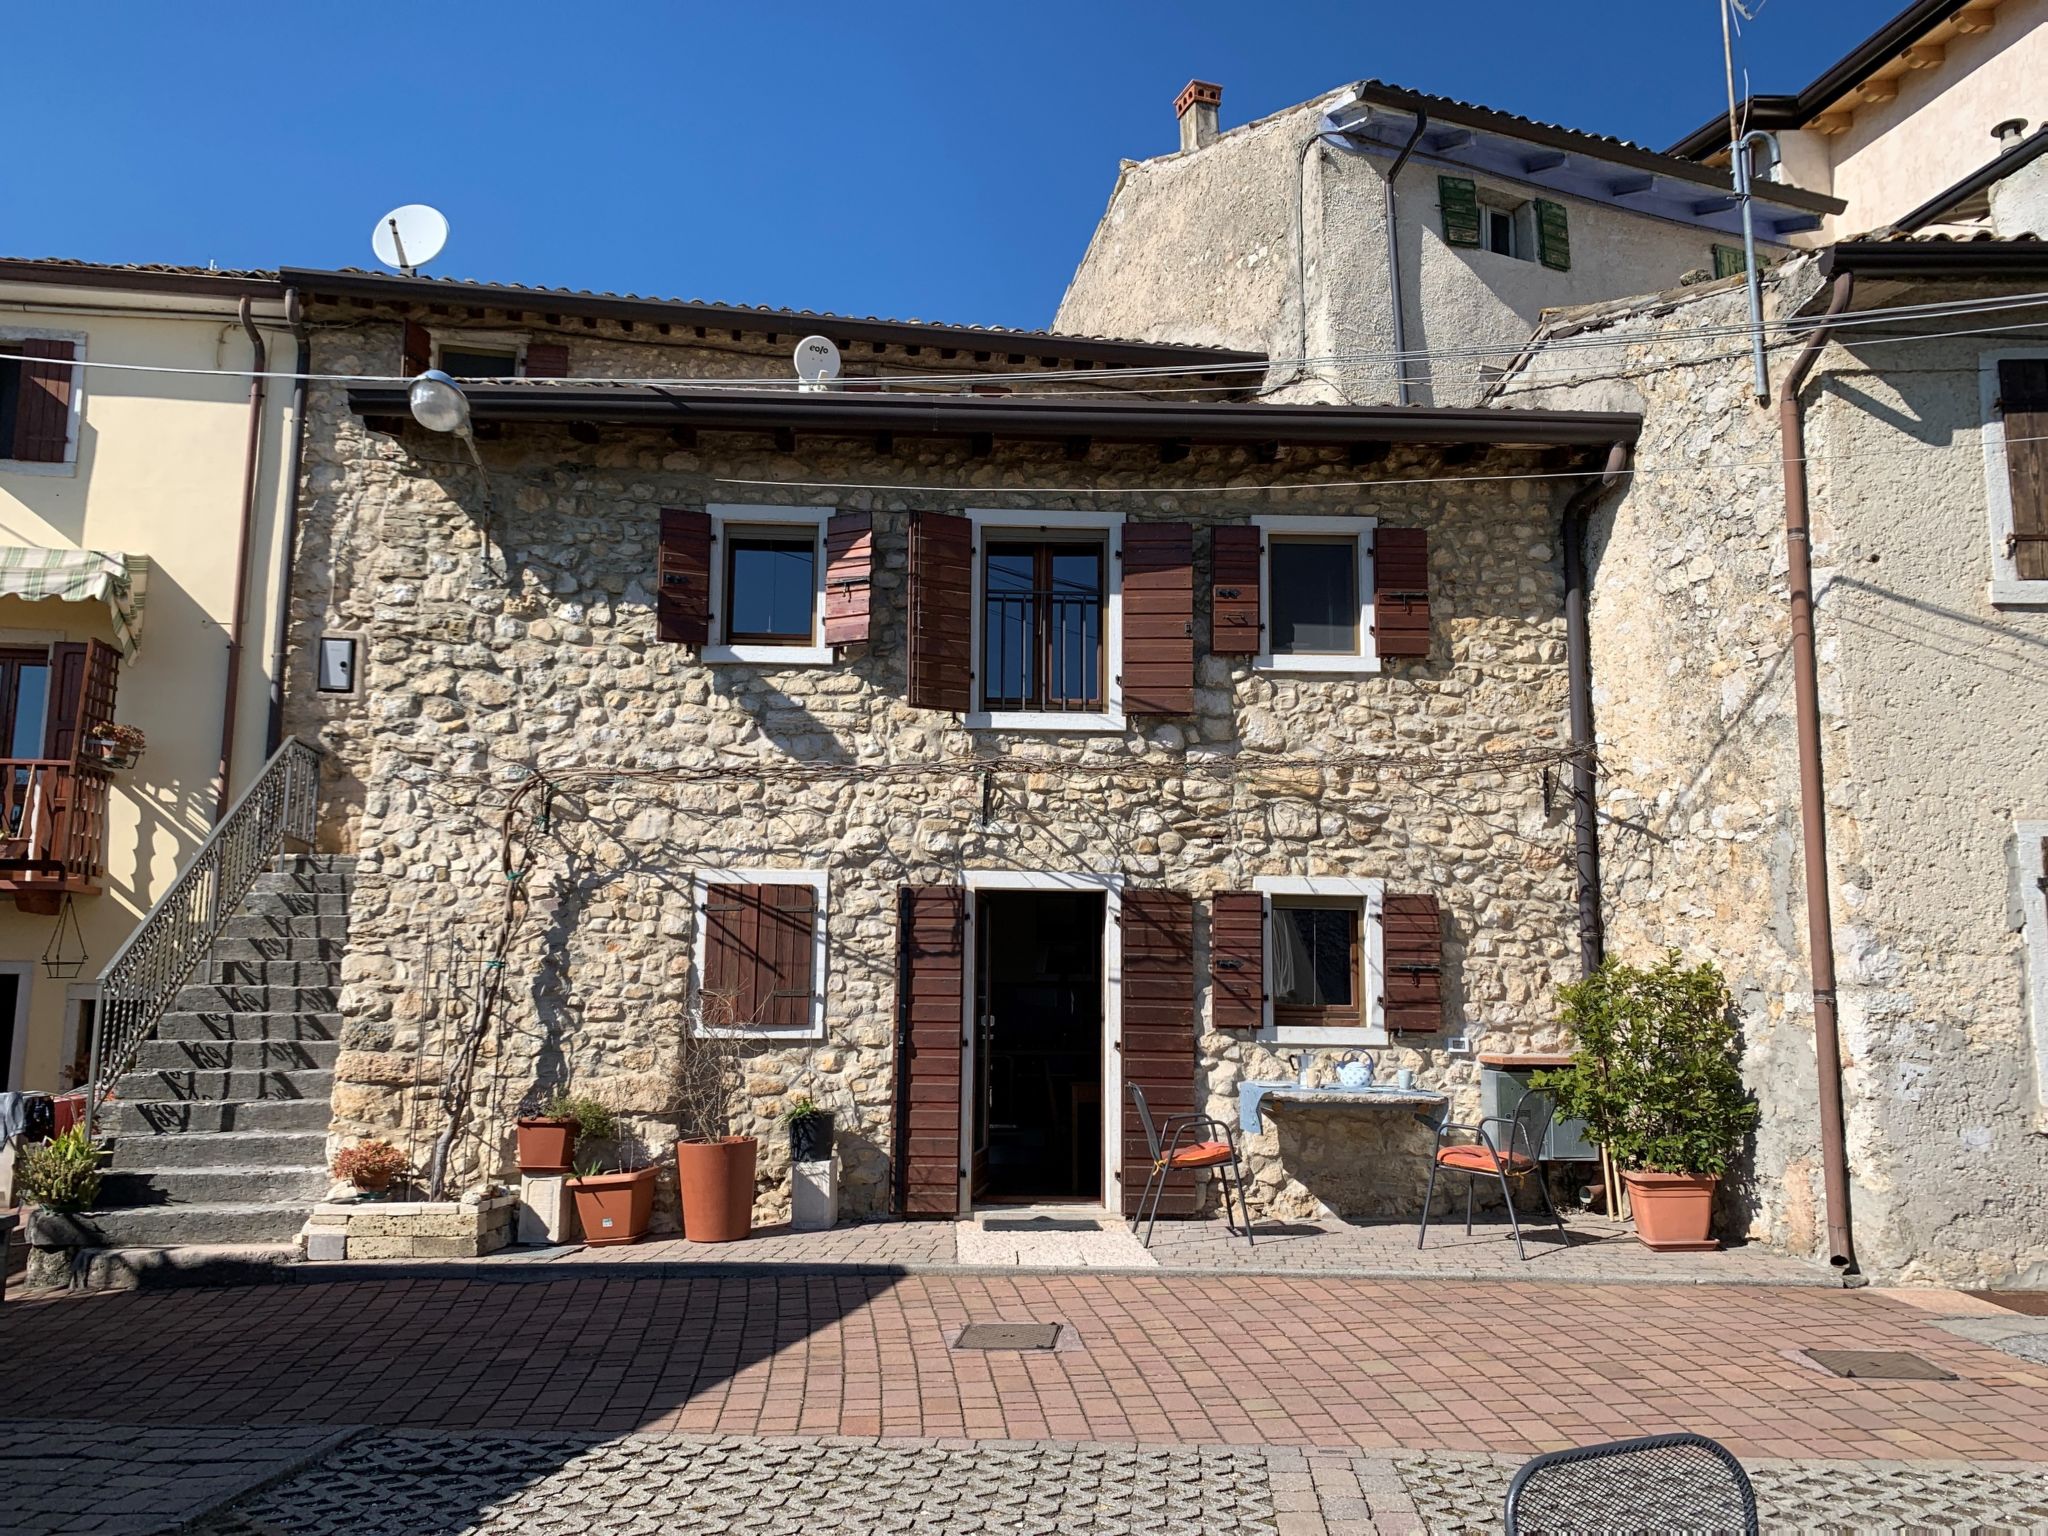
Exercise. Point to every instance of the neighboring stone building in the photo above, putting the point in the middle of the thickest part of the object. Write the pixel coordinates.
(1287, 671)
(1911, 109)
(1930, 518)
(1273, 236)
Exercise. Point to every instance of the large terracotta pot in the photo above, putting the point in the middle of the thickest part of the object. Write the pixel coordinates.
(1674, 1211)
(546, 1145)
(613, 1207)
(716, 1180)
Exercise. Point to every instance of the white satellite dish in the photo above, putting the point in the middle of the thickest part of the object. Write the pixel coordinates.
(408, 238)
(817, 362)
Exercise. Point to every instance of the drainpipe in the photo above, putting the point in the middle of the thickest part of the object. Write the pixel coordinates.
(1394, 258)
(273, 736)
(1578, 652)
(250, 457)
(1820, 926)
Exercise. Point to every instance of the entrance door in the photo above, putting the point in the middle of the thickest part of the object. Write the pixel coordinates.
(1037, 1127)
(11, 985)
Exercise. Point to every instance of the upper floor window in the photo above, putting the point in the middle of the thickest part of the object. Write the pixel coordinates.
(38, 387)
(1500, 231)
(1317, 588)
(1042, 640)
(477, 361)
(768, 585)
(1527, 229)
(2015, 389)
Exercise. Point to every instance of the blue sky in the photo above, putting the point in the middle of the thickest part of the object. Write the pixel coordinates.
(942, 161)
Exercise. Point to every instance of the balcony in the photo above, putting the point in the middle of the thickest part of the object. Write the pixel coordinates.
(53, 828)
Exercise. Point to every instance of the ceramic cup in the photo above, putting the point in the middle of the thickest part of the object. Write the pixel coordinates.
(1405, 1079)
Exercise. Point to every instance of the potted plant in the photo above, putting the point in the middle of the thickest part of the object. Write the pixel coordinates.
(369, 1166)
(1658, 1080)
(115, 746)
(547, 1141)
(810, 1131)
(614, 1202)
(714, 1168)
(61, 1174)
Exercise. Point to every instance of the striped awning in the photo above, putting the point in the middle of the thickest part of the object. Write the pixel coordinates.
(81, 576)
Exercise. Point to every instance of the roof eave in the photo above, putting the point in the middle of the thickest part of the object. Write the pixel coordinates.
(1956, 259)
(59, 274)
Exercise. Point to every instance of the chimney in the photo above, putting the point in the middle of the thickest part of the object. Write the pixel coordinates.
(1196, 108)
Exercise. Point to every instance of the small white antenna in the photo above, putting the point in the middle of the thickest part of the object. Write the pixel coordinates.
(408, 238)
(817, 362)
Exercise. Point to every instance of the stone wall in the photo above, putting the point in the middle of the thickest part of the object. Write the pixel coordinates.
(1928, 751)
(1429, 775)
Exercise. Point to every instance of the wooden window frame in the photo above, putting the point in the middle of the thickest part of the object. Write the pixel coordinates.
(2008, 588)
(727, 648)
(819, 881)
(1042, 547)
(1012, 525)
(12, 659)
(1290, 1016)
(1369, 1029)
(68, 465)
(730, 539)
(1365, 658)
(481, 341)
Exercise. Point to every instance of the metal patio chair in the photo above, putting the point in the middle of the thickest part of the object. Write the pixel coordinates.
(1515, 1157)
(1213, 1146)
(1659, 1483)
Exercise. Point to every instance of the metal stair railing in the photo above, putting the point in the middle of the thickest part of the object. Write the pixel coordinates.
(147, 971)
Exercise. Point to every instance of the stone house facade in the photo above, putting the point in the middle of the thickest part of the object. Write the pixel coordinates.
(1274, 235)
(796, 786)
(1930, 627)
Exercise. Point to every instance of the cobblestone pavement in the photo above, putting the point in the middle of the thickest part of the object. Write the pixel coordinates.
(70, 1477)
(1303, 1361)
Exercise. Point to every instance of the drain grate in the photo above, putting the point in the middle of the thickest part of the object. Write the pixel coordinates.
(1008, 1336)
(1039, 1224)
(1878, 1365)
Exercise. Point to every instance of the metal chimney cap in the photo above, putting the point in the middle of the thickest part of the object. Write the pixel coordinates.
(2011, 128)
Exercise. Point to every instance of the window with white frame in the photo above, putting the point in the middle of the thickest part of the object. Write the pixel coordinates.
(480, 354)
(768, 585)
(1048, 646)
(40, 401)
(2031, 866)
(2014, 386)
(759, 960)
(1323, 961)
(1507, 230)
(1315, 594)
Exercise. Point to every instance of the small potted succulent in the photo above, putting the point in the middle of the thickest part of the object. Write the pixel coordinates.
(115, 746)
(547, 1141)
(810, 1131)
(370, 1166)
(1657, 1078)
(614, 1202)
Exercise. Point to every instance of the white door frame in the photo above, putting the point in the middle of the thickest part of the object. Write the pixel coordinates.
(1111, 888)
(17, 1062)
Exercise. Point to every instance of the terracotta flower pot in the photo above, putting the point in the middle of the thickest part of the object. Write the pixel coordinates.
(613, 1207)
(1674, 1211)
(716, 1180)
(546, 1145)
(372, 1186)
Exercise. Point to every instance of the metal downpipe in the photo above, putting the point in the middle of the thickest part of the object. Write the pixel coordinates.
(288, 535)
(1392, 212)
(250, 457)
(1820, 926)
(1578, 651)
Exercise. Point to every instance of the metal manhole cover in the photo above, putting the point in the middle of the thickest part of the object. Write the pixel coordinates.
(1040, 1224)
(1008, 1336)
(1878, 1365)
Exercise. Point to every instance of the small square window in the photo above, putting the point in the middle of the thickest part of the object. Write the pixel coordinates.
(1314, 595)
(1317, 976)
(474, 362)
(771, 584)
(1497, 231)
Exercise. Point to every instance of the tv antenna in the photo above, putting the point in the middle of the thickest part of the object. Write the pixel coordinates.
(817, 362)
(408, 238)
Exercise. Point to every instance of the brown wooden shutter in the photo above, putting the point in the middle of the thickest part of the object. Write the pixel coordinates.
(416, 350)
(2023, 402)
(1400, 592)
(1237, 960)
(1159, 618)
(1158, 1043)
(42, 412)
(941, 638)
(67, 699)
(930, 1014)
(547, 360)
(1234, 591)
(1412, 961)
(849, 577)
(758, 946)
(683, 602)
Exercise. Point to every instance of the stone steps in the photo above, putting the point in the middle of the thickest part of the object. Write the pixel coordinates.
(249, 1026)
(217, 999)
(190, 1086)
(292, 882)
(260, 903)
(326, 926)
(142, 1152)
(217, 1117)
(208, 1187)
(161, 1226)
(261, 1055)
(275, 947)
(138, 1268)
(271, 973)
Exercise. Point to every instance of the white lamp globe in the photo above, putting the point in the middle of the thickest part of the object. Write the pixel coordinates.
(438, 403)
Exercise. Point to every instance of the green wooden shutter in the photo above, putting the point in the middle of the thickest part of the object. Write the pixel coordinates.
(1727, 260)
(1459, 199)
(1553, 236)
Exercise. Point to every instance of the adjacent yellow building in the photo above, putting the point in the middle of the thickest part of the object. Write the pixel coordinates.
(133, 501)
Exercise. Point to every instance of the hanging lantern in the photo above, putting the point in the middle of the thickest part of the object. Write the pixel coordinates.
(62, 962)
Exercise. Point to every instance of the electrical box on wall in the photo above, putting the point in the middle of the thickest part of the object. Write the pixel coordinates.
(338, 660)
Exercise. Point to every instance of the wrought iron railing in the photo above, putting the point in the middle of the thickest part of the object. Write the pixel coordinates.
(53, 821)
(146, 972)
(1042, 651)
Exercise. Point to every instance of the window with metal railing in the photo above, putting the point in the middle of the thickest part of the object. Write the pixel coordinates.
(1042, 625)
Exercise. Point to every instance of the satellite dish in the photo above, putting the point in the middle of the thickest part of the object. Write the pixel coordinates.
(817, 362)
(408, 238)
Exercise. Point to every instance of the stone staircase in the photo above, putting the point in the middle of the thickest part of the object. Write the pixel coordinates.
(220, 1128)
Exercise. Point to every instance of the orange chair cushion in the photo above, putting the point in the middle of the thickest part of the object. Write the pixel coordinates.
(1203, 1154)
(1479, 1160)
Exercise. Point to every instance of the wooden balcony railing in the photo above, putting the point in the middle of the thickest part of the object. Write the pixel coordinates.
(53, 825)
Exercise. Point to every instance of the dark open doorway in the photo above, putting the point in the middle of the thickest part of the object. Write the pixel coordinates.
(1037, 1094)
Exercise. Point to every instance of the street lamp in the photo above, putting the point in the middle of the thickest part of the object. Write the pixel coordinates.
(439, 405)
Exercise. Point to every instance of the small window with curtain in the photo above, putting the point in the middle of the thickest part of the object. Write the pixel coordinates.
(1043, 641)
(1316, 957)
(1317, 594)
